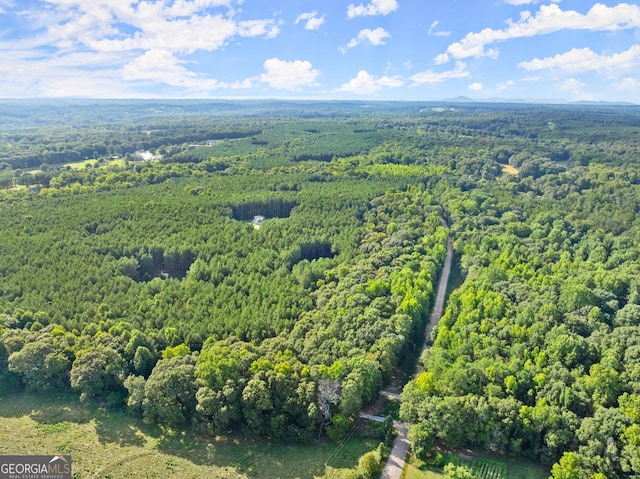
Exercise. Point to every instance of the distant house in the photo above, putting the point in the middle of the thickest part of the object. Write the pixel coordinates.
(257, 220)
(212, 143)
(147, 155)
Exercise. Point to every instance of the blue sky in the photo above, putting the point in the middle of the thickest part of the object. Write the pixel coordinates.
(321, 49)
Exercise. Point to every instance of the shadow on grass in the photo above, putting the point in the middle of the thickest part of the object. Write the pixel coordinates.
(62, 418)
(118, 428)
(44, 408)
(263, 458)
(54, 409)
(254, 457)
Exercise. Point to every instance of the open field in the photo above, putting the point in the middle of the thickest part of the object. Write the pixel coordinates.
(511, 170)
(485, 467)
(80, 164)
(106, 444)
(77, 165)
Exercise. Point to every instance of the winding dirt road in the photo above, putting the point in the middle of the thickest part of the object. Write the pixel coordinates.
(395, 463)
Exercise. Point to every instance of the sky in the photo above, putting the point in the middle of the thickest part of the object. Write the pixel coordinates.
(539, 50)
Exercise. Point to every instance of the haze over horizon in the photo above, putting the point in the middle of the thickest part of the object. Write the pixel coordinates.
(539, 50)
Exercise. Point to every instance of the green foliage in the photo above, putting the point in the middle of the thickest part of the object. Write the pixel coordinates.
(422, 440)
(40, 365)
(169, 393)
(144, 360)
(109, 265)
(135, 388)
(536, 343)
(370, 464)
(459, 472)
(568, 467)
(179, 350)
(339, 427)
(98, 373)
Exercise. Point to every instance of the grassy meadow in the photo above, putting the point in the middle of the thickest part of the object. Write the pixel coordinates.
(109, 444)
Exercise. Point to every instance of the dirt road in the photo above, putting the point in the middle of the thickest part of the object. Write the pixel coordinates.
(395, 463)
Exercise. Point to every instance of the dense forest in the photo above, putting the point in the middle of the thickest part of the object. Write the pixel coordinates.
(150, 284)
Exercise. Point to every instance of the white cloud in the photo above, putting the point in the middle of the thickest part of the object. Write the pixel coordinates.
(441, 59)
(440, 33)
(120, 41)
(121, 25)
(162, 66)
(313, 21)
(437, 77)
(366, 84)
(26, 73)
(549, 19)
(288, 75)
(573, 87)
(527, 2)
(376, 7)
(580, 60)
(476, 86)
(505, 85)
(391, 82)
(375, 37)
(628, 84)
(177, 8)
(102, 85)
(257, 28)
(363, 84)
(181, 35)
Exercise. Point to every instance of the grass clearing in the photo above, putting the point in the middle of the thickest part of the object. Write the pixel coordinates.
(118, 162)
(111, 444)
(80, 164)
(511, 170)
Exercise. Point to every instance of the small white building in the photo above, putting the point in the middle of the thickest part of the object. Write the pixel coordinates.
(257, 220)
